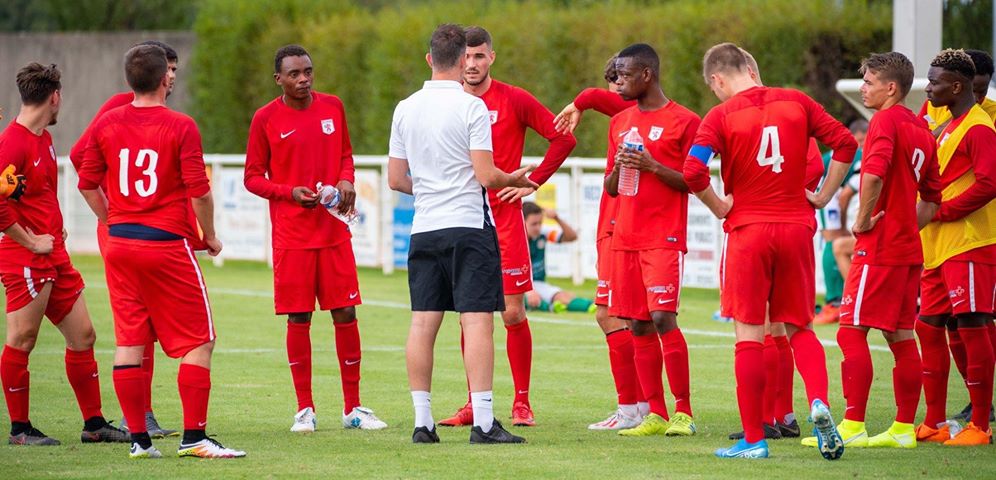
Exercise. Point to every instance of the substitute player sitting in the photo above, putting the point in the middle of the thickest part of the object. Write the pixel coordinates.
(545, 296)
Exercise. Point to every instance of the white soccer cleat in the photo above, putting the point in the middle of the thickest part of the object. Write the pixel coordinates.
(362, 418)
(617, 421)
(208, 448)
(305, 421)
(138, 452)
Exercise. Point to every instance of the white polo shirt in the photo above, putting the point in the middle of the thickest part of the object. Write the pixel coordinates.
(435, 129)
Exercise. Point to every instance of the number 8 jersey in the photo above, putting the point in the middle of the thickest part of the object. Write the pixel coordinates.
(762, 136)
(153, 162)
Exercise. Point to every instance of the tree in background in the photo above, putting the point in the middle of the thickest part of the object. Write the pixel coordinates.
(104, 15)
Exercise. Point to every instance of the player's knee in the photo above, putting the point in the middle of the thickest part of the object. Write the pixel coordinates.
(344, 315)
(513, 314)
(23, 340)
(83, 341)
(938, 321)
(664, 321)
(304, 317)
(643, 328)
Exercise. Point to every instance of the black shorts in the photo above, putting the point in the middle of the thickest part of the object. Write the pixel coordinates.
(455, 269)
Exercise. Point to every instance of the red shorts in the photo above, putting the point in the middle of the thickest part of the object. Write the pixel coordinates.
(325, 274)
(67, 286)
(102, 236)
(645, 281)
(603, 248)
(516, 272)
(880, 296)
(958, 287)
(157, 292)
(770, 264)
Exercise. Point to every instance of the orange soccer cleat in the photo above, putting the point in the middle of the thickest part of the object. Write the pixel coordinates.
(925, 433)
(971, 436)
(462, 418)
(522, 415)
(828, 314)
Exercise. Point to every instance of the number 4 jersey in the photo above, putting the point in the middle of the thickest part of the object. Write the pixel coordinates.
(762, 136)
(153, 162)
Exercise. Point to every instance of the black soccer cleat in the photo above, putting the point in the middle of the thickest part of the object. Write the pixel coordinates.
(424, 435)
(106, 434)
(498, 434)
(32, 436)
(789, 430)
(965, 415)
(771, 432)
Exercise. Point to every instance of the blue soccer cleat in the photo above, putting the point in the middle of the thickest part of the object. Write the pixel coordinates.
(743, 449)
(829, 442)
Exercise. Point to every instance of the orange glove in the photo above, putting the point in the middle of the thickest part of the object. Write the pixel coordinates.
(11, 186)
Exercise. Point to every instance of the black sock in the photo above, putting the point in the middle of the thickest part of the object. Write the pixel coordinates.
(17, 428)
(142, 439)
(193, 436)
(93, 424)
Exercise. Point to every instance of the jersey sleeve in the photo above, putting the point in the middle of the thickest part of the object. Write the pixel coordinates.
(479, 124)
(347, 168)
(192, 168)
(829, 131)
(258, 164)
(979, 141)
(396, 147)
(93, 166)
(78, 151)
(601, 100)
(705, 146)
(879, 147)
(539, 118)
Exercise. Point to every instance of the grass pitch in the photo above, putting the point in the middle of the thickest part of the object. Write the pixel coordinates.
(252, 402)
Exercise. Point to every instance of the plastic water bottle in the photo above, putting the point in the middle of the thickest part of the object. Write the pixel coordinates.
(330, 197)
(629, 178)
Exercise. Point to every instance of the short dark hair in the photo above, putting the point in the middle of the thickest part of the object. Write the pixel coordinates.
(477, 36)
(447, 45)
(530, 208)
(288, 51)
(891, 67)
(145, 66)
(723, 58)
(859, 125)
(171, 55)
(644, 55)
(37, 82)
(983, 62)
(610, 73)
(955, 61)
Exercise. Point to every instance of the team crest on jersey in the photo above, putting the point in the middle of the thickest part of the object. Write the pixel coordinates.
(327, 126)
(493, 115)
(655, 133)
(51, 150)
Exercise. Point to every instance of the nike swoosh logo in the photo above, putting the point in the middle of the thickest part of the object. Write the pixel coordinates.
(959, 302)
(972, 384)
(662, 301)
(285, 135)
(519, 284)
(95, 374)
(352, 362)
(201, 424)
(292, 364)
(485, 399)
(12, 389)
(600, 295)
(353, 295)
(36, 162)
(523, 392)
(844, 313)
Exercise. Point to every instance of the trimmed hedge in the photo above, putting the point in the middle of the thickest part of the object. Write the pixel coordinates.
(374, 57)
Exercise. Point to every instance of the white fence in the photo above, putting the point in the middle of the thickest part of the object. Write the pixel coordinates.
(381, 237)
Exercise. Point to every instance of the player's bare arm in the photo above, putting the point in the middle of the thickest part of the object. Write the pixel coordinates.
(37, 244)
(204, 210)
(347, 196)
(492, 177)
(611, 182)
(568, 119)
(568, 234)
(97, 202)
(835, 176)
(871, 189)
(397, 175)
(925, 212)
(644, 162)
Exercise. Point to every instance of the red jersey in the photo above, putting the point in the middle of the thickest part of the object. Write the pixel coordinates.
(901, 151)
(152, 160)
(763, 135)
(512, 109)
(601, 100)
(657, 216)
(290, 148)
(78, 151)
(38, 208)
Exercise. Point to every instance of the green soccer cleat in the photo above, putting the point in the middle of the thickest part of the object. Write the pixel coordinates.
(653, 424)
(853, 434)
(899, 435)
(682, 425)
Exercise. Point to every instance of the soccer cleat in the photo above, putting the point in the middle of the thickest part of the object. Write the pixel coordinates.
(789, 430)
(207, 448)
(462, 418)
(899, 435)
(742, 449)
(616, 421)
(653, 424)
(771, 432)
(497, 434)
(829, 442)
(558, 307)
(152, 427)
(522, 415)
(852, 433)
(682, 425)
(362, 418)
(924, 433)
(32, 436)
(829, 314)
(107, 433)
(424, 435)
(138, 452)
(965, 415)
(305, 421)
(971, 436)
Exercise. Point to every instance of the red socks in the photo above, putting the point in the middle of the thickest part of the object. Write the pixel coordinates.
(749, 368)
(519, 346)
(347, 348)
(856, 371)
(991, 326)
(128, 384)
(771, 372)
(194, 383)
(936, 366)
(958, 352)
(16, 382)
(148, 368)
(811, 361)
(675, 352)
(979, 380)
(299, 359)
(906, 380)
(786, 376)
(649, 360)
(81, 370)
(623, 369)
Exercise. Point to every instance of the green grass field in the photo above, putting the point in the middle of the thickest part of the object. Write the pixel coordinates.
(252, 402)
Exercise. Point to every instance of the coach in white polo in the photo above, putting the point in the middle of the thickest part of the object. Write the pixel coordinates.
(443, 137)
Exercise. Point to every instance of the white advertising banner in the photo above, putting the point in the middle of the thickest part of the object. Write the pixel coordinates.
(241, 218)
(366, 233)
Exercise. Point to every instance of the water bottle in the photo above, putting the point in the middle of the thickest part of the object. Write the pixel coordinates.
(629, 178)
(329, 197)
(954, 428)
